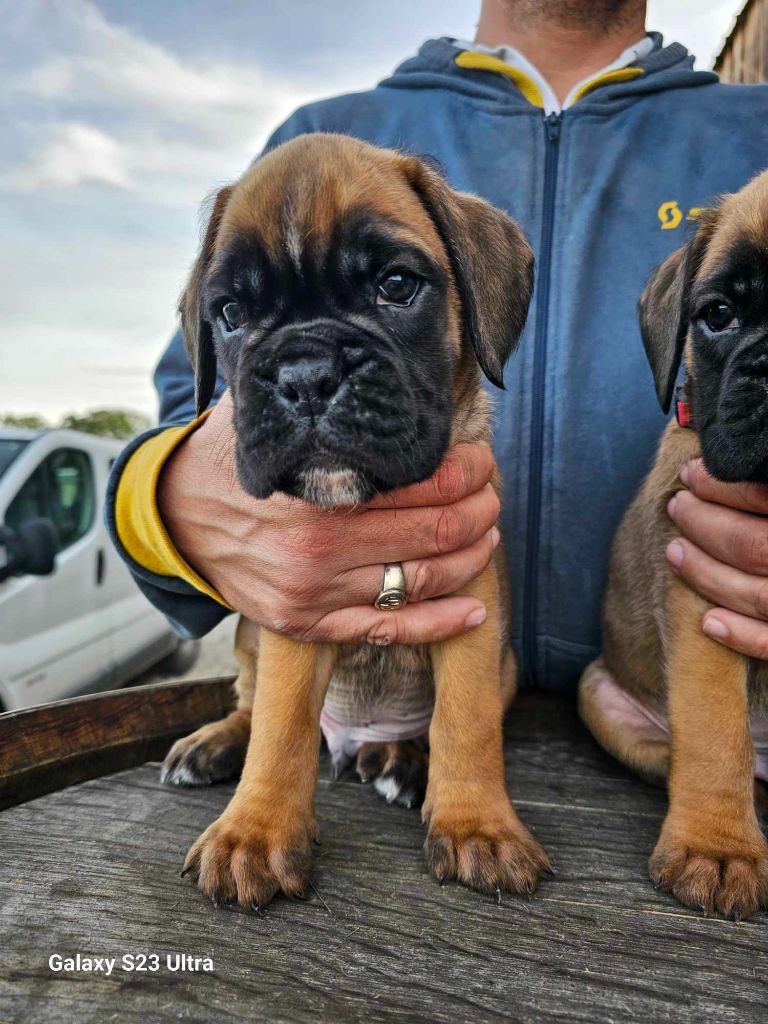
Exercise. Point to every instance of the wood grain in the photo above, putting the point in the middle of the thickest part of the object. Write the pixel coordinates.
(46, 748)
(744, 54)
(94, 869)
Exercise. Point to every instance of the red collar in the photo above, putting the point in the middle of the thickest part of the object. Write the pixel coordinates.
(683, 404)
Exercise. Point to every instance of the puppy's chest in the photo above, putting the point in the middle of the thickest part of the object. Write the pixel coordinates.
(370, 682)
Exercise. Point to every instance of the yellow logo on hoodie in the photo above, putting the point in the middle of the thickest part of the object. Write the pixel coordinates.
(671, 216)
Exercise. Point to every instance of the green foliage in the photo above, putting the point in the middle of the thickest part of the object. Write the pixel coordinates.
(120, 423)
(29, 422)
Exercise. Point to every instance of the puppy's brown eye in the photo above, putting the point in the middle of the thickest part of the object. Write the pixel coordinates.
(398, 288)
(233, 315)
(719, 316)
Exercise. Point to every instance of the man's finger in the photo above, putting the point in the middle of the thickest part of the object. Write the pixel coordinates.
(739, 632)
(383, 535)
(745, 496)
(425, 578)
(422, 623)
(465, 469)
(736, 538)
(719, 583)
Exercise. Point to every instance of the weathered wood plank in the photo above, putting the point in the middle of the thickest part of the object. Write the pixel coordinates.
(94, 869)
(46, 748)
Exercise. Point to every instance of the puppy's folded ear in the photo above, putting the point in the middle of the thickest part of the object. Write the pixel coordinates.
(664, 313)
(198, 336)
(492, 265)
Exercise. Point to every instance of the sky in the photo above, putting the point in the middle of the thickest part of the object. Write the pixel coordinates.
(120, 116)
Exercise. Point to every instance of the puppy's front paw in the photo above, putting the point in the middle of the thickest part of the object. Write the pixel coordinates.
(710, 873)
(247, 858)
(493, 853)
(212, 753)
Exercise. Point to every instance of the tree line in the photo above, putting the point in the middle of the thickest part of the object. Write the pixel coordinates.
(120, 423)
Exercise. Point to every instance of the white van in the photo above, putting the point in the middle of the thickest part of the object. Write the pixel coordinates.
(86, 626)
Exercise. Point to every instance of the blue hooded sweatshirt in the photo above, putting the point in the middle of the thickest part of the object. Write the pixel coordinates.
(604, 191)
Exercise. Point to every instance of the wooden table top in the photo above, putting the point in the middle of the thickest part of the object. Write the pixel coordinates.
(94, 869)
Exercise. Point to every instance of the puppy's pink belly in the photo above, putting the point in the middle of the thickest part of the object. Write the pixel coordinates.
(648, 723)
(401, 721)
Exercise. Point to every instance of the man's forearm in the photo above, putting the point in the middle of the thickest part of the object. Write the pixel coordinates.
(139, 534)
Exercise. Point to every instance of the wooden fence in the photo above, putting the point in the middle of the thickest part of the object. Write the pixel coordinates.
(744, 56)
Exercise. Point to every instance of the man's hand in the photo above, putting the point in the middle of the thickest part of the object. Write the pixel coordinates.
(314, 574)
(723, 555)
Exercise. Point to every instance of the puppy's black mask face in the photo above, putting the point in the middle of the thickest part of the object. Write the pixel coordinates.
(349, 296)
(729, 338)
(713, 297)
(337, 361)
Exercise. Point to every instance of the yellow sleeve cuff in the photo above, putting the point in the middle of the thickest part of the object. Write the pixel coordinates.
(137, 517)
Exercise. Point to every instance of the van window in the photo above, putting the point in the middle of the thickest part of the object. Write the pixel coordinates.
(60, 489)
(10, 449)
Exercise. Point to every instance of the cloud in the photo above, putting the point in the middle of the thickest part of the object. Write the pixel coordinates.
(103, 64)
(112, 107)
(76, 153)
(110, 144)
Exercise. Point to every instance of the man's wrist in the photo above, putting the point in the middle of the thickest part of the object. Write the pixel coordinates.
(147, 530)
(178, 495)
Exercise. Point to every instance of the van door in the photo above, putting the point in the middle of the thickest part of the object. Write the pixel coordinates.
(140, 634)
(54, 630)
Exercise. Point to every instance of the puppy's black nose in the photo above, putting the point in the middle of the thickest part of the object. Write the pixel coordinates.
(308, 383)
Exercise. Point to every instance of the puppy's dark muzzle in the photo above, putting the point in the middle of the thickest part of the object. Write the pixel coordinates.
(736, 438)
(324, 395)
(312, 371)
(316, 399)
(742, 403)
(307, 384)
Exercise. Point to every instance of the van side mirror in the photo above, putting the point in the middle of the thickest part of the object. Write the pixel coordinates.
(30, 550)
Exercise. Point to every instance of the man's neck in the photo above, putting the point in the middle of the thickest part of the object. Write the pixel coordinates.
(564, 55)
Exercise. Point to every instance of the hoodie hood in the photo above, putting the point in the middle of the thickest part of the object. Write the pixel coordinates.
(438, 64)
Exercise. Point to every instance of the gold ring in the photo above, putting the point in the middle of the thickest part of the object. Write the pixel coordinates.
(392, 594)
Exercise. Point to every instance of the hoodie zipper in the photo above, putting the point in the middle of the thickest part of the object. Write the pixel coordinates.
(535, 464)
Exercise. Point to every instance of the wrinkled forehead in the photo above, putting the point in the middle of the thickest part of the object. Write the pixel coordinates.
(297, 199)
(738, 241)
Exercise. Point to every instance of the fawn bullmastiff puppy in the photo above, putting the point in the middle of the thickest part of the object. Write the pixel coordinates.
(665, 699)
(352, 300)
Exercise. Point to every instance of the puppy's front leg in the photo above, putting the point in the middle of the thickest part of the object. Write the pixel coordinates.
(261, 844)
(474, 833)
(711, 852)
